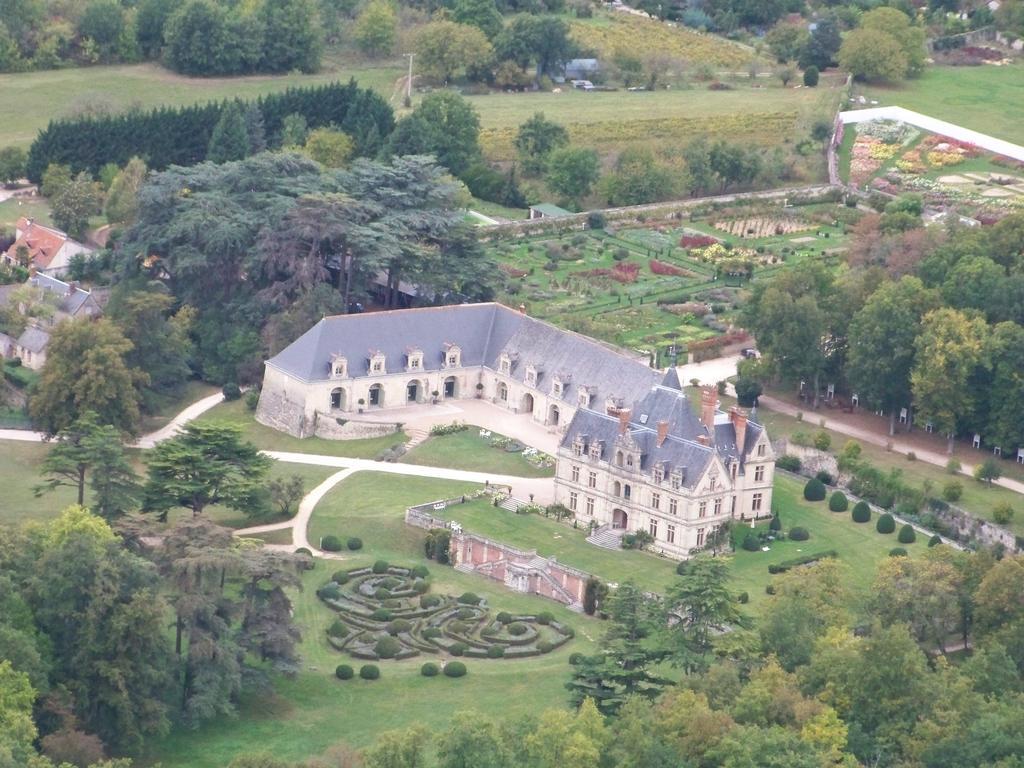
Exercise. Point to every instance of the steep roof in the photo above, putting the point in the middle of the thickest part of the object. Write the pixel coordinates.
(73, 298)
(484, 333)
(34, 339)
(43, 243)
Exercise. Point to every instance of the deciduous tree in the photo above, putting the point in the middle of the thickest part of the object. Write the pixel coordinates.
(446, 49)
(572, 173)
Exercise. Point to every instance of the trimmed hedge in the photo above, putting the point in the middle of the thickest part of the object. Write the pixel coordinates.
(516, 629)
(751, 543)
(419, 572)
(354, 543)
(886, 523)
(340, 577)
(430, 669)
(381, 566)
(504, 617)
(468, 598)
(898, 552)
(907, 534)
(575, 658)
(786, 565)
(815, 490)
(387, 647)
(775, 524)
(397, 626)
(861, 512)
(369, 672)
(457, 649)
(788, 462)
(455, 669)
(330, 543)
(934, 540)
(837, 502)
(545, 617)
(337, 629)
(344, 672)
(799, 534)
(495, 651)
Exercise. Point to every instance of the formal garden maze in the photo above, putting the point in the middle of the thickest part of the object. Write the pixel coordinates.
(385, 612)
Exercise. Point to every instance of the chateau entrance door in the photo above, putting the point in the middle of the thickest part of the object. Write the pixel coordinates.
(376, 395)
(449, 387)
(412, 392)
(620, 519)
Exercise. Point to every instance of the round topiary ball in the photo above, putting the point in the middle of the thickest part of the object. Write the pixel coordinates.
(886, 523)
(517, 628)
(504, 617)
(430, 601)
(354, 543)
(898, 552)
(495, 651)
(381, 566)
(751, 543)
(455, 669)
(344, 672)
(545, 617)
(330, 543)
(381, 594)
(775, 524)
(815, 490)
(432, 633)
(340, 577)
(743, 597)
(799, 534)
(419, 572)
(231, 391)
(575, 658)
(469, 598)
(907, 535)
(387, 647)
(935, 540)
(861, 512)
(369, 672)
(397, 626)
(337, 629)
(457, 649)
(430, 669)
(837, 502)
(381, 614)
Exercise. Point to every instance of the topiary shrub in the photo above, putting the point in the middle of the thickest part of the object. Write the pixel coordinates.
(231, 391)
(815, 490)
(825, 477)
(775, 524)
(430, 601)
(545, 646)
(769, 589)
(466, 613)
(468, 598)
(751, 543)
(330, 591)
(455, 669)
(907, 534)
(381, 614)
(340, 577)
(545, 617)
(369, 672)
(457, 649)
(381, 594)
(344, 672)
(337, 629)
(387, 647)
(788, 462)
(897, 552)
(837, 502)
(397, 626)
(430, 669)
(504, 617)
(861, 512)
(811, 76)
(354, 543)
(495, 651)
(743, 598)
(886, 523)
(935, 540)
(952, 490)
(518, 629)
(420, 586)
(330, 543)
(575, 658)
(419, 572)
(381, 566)
(799, 534)
(432, 633)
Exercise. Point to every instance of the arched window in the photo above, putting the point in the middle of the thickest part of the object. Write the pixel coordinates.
(617, 488)
(626, 491)
(618, 458)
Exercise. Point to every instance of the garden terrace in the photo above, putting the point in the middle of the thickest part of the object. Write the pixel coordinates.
(386, 613)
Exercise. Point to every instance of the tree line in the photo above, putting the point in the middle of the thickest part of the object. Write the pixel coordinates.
(929, 319)
(181, 136)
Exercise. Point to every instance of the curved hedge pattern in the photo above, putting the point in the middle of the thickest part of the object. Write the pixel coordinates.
(384, 614)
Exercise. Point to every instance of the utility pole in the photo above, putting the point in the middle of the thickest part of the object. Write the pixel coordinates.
(408, 81)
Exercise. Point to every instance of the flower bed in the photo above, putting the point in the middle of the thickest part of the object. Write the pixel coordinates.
(763, 226)
(407, 622)
(664, 268)
(696, 241)
(624, 272)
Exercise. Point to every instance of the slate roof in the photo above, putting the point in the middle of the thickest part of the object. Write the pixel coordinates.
(483, 332)
(34, 339)
(680, 450)
(73, 298)
(550, 211)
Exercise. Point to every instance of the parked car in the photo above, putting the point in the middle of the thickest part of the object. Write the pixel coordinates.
(750, 353)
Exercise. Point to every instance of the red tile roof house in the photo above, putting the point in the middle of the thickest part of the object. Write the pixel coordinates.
(49, 250)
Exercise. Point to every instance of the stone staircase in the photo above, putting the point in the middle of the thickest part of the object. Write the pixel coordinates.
(606, 537)
(511, 504)
(416, 436)
(464, 568)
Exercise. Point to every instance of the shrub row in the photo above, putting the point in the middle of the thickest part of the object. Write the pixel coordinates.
(786, 565)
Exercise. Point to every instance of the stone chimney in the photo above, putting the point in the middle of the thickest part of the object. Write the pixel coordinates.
(708, 403)
(662, 432)
(739, 423)
(624, 415)
(703, 439)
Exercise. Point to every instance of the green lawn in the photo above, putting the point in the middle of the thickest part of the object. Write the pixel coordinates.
(11, 210)
(18, 475)
(311, 712)
(167, 408)
(271, 440)
(467, 450)
(28, 101)
(986, 98)
(860, 546)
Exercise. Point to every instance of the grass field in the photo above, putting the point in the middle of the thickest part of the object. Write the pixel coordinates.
(33, 208)
(271, 440)
(28, 101)
(19, 473)
(986, 98)
(168, 407)
(467, 450)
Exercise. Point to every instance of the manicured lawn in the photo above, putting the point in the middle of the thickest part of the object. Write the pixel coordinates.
(561, 541)
(313, 711)
(271, 440)
(18, 475)
(860, 547)
(11, 210)
(468, 450)
(986, 98)
(169, 407)
(28, 101)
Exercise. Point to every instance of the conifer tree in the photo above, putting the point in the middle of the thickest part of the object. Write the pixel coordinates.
(230, 140)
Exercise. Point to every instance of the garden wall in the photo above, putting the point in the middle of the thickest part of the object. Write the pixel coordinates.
(327, 427)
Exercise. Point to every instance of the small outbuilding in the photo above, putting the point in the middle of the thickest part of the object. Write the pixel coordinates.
(548, 211)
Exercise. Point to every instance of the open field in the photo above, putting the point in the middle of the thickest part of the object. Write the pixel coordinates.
(271, 440)
(11, 210)
(28, 101)
(169, 407)
(986, 98)
(18, 475)
(468, 450)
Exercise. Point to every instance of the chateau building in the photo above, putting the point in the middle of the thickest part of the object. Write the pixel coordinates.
(633, 455)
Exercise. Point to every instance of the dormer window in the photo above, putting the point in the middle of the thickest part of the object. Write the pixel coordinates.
(578, 446)
(505, 364)
(339, 367)
(414, 359)
(583, 397)
(659, 473)
(377, 365)
(452, 355)
(595, 449)
(677, 479)
(557, 388)
(532, 374)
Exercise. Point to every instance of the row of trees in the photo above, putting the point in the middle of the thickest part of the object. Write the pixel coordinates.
(198, 37)
(922, 319)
